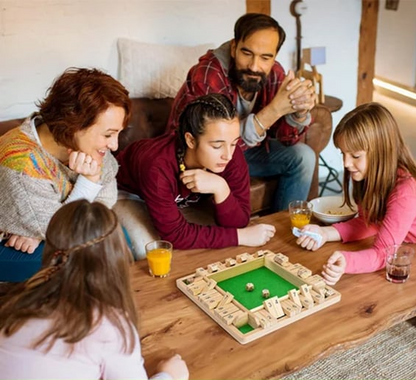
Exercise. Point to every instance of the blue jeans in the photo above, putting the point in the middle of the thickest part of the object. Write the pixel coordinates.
(294, 165)
(17, 266)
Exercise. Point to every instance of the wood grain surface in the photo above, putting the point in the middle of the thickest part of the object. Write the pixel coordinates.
(170, 322)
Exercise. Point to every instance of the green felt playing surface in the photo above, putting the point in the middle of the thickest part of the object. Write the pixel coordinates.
(262, 278)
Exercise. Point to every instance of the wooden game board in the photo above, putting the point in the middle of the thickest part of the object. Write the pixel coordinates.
(220, 291)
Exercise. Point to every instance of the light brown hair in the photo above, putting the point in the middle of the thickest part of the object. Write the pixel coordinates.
(372, 128)
(77, 98)
(84, 277)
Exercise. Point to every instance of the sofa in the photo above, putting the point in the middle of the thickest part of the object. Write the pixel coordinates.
(149, 118)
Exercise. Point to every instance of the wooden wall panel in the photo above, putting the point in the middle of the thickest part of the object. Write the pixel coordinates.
(258, 6)
(367, 51)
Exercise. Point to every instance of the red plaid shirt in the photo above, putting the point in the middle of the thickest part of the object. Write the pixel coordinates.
(209, 76)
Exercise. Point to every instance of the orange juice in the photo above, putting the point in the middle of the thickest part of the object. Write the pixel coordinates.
(159, 261)
(300, 219)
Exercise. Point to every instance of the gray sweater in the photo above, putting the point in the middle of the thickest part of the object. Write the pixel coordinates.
(34, 184)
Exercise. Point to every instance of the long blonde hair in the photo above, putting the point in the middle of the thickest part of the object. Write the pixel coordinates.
(84, 277)
(372, 128)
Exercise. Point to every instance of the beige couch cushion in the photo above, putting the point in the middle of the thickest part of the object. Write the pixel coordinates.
(156, 71)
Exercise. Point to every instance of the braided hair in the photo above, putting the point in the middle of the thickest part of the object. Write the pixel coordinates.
(84, 278)
(196, 114)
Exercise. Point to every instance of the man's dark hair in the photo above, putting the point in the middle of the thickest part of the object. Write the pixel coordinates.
(250, 23)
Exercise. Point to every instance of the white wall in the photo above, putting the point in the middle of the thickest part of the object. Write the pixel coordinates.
(334, 24)
(41, 38)
(396, 44)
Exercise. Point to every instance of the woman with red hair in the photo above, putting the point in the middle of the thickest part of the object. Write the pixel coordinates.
(59, 154)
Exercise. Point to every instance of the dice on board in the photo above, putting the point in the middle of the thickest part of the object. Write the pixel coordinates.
(265, 293)
(249, 286)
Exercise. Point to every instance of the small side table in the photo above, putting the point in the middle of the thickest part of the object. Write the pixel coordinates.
(333, 104)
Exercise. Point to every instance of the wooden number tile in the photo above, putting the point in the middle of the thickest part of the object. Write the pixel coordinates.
(253, 321)
(211, 284)
(259, 253)
(212, 268)
(230, 262)
(305, 290)
(281, 259)
(317, 297)
(293, 307)
(190, 280)
(329, 292)
(225, 310)
(300, 271)
(210, 293)
(294, 296)
(230, 318)
(241, 258)
(211, 303)
(240, 318)
(304, 272)
(306, 302)
(316, 281)
(201, 272)
(269, 306)
(278, 307)
(288, 308)
(226, 299)
(194, 289)
(263, 321)
(270, 318)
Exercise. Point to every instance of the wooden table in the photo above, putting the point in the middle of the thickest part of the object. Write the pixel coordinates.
(171, 323)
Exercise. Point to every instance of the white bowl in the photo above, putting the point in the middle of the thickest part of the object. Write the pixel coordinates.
(328, 209)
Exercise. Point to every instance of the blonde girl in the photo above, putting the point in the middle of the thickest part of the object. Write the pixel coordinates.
(381, 171)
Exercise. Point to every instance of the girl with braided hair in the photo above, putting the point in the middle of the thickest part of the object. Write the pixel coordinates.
(201, 159)
(75, 318)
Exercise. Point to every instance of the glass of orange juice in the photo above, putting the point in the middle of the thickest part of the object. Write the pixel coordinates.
(300, 213)
(159, 257)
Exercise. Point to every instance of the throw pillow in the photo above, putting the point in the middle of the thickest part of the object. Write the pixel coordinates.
(156, 71)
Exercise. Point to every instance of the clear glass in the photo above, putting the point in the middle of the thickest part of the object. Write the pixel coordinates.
(300, 213)
(159, 257)
(398, 263)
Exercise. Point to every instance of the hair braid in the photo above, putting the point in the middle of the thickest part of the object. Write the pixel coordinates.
(195, 116)
(60, 257)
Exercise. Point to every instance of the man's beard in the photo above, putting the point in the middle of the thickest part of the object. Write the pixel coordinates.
(249, 84)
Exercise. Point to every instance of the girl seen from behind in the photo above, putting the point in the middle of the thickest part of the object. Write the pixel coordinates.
(75, 318)
(202, 159)
(381, 170)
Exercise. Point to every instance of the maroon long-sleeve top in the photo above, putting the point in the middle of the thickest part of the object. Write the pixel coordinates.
(149, 168)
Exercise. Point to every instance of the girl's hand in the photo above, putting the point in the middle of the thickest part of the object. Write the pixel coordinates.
(175, 367)
(334, 268)
(84, 164)
(23, 243)
(255, 236)
(308, 242)
(201, 181)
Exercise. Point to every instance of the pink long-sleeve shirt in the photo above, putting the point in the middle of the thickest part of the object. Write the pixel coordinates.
(398, 226)
(98, 356)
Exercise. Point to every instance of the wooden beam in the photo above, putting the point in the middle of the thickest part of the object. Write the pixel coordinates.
(367, 50)
(258, 6)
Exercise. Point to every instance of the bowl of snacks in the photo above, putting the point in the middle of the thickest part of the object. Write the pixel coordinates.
(330, 209)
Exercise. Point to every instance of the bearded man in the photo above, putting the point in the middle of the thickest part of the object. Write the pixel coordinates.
(273, 107)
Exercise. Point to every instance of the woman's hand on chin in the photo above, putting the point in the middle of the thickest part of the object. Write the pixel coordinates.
(84, 164)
